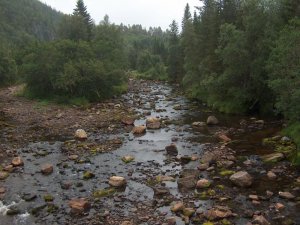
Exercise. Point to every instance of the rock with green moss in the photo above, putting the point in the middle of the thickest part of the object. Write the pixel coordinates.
(224, 173)
(48, 198)
(188, 212)
(127, 158)
(104, 192)
(3, 175)
(208, 223)
(273, 158)
(88, 175)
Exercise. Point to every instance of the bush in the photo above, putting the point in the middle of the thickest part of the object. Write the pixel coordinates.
(8, 67)
(70, 69)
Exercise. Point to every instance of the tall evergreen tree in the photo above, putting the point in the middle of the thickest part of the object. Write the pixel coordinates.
(81, 11)
(175, 59)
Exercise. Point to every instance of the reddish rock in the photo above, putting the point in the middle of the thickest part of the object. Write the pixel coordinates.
(128, 121)
(286, 195)
(17, 161)
(79, 206)
(203, 183)
(139, 130)
(261, 220)
(271, 175)
(223, 137)
(279, 206)
(177, 207)
(47, 169)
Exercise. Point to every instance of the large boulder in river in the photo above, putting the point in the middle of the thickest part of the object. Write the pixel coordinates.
(212, 120)
(80, 134)
(242, 179)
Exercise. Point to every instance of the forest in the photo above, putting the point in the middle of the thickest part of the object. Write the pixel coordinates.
(236, 56)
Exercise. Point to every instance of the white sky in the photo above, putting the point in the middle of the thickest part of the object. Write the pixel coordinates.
(145, 12)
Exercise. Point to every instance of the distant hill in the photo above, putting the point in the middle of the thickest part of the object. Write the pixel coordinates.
(25, 20)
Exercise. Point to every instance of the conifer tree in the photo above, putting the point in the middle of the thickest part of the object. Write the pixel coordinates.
(81, 11)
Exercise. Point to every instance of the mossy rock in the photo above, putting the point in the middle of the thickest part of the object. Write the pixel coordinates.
(225, 222)
(51, 208)
(88, 175)
(208, 223)
(127, 159)
(48, 198)
(224, 173)
(220, 187)
(104, 193)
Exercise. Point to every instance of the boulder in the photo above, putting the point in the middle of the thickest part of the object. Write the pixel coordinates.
(177, 207)
(80, 134)
(261, 220)
(286, 195)
(172, 149)
(73, 157)
(139, 130)
(199, 124)
(153, 123)
(218, 213)
(188, 179)
(117, 181)
(188, 212)
(17, 161)
(203, 183)
(3, 175)
(272, 158)
(242, 179)
(127, 158)
(128, 121)
(212, 120)
(47, 169)
(271, 175)
(79, 206)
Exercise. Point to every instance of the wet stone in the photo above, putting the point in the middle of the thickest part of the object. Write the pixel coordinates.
(3, 175)
(179, 206)
(17, 161)
(117, 181)
(212, 120)
(242, 179)
(286, 195)
(172, 149)
(47, 169)
(79, 206)
(80, 134)
(29, 197)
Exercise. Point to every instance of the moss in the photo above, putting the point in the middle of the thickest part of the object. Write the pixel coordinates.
(202, 196)
(293, 131)
(104, 192)
(226, 172)
(211, 192)
(208, 223)
(225, 222)
(48, 198)
(88, 175)
(220, 186)
(51, 208)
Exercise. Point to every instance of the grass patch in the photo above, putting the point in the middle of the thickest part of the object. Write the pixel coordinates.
(293, 131)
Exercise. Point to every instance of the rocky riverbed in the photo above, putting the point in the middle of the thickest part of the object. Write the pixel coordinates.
(150, 157)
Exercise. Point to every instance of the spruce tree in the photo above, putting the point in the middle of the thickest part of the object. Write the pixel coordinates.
(81, 11)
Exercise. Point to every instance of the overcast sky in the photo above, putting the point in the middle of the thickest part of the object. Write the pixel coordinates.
(146, 12)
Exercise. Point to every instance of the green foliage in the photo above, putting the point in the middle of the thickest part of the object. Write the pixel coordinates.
(293, 131)
(284, 69)
(67, 68)
(22, 21)
(8, 67)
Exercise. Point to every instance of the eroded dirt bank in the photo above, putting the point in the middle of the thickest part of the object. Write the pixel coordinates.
(212, 173)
